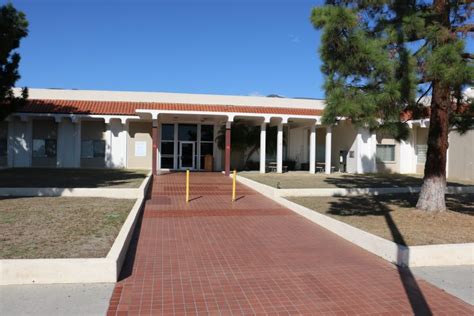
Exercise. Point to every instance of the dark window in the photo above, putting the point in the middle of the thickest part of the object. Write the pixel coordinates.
(207, 148)
(167, 162)
(385, 153)
(3, 147)
(50, 148)
(167, 132)
(207, 133)
(44, 148)
(187, 132)
(99, 148)
(92, 148)
(167, 148)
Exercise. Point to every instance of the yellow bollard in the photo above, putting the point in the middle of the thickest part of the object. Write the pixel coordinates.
(233, 185)
(187, 186)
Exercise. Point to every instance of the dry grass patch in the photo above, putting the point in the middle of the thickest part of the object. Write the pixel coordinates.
(394, 217)
(60, 227)
(71, 178)
(300, 180)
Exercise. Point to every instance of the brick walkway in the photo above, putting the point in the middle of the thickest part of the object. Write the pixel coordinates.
(214, 257)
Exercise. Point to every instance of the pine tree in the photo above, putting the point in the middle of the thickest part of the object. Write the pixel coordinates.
(13, 27)
(382, 57)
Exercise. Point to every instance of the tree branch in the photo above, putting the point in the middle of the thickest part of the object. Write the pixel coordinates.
(467, 55)
(466, 28)
(424, 94)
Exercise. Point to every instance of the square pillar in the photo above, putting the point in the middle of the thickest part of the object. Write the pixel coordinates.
(328, 149)
(280, 148)
(154, 134)
(175, 147)
(197, 150)
(227, 148)
(108, 143)
(263, 148)
(312, 149)
(77, 142)
(66, 143)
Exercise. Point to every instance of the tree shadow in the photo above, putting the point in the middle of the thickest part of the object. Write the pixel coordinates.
(70, 178)
(373, 180)
(373, 205)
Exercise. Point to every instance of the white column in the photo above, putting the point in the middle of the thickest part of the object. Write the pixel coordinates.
(263, 146)
(197, 150)
(115, 143)
(10, 141)
(108, 144)
(77, 143)
(158, 147)
(66, 152)
(20, 134)
(280, 148)
(373, 148)
(176, 154)
(127, 138)
(312, 149)
(216, 150)
(328, 149)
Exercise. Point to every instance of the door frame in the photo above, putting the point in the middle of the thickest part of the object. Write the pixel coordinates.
(180, 166)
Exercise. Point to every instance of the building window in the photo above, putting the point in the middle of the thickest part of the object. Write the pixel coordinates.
(167, 146)
(3, 147)
(44, 148)
(420, 151)
(207, 142)
(187, 132)
(93, 148)
(385, 153)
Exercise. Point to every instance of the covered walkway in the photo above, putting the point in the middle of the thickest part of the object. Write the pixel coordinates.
(252, 256)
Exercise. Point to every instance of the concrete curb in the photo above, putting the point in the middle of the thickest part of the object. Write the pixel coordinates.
(347, 192)
(80, 270)
(414, 256)
(124, 193)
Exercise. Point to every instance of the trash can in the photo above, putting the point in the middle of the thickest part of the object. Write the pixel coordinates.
(208, 163)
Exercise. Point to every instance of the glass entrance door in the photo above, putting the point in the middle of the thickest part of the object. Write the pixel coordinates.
(186, 155)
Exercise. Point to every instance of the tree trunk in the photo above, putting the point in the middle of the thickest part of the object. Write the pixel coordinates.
(432, 195)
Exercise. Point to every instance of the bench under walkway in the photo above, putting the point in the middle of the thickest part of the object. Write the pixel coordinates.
(253, 256)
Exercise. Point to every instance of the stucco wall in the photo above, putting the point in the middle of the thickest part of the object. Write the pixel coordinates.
(421, 138)
(343, 138)
(44, 129)
(92, 130)
(298, 145)
(139, 132)
(461, 156)
(389, 166)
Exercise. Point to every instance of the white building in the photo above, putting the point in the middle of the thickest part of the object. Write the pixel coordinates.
(163, 131)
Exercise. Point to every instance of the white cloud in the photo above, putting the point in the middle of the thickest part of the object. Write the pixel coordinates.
(294, 39)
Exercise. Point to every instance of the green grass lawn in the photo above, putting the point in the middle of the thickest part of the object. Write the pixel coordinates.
(394, 217)
(71, 178)
(60, 227)
(300, 180)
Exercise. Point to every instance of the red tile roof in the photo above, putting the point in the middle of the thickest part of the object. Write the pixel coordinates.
(128, 108)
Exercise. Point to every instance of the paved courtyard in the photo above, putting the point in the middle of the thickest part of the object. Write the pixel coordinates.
(253, 256)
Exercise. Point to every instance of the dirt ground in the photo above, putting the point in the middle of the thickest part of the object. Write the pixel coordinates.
(71, 178)
(394, 217)
(60, 227)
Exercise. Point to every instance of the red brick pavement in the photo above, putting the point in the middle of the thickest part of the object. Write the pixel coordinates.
(253, 256)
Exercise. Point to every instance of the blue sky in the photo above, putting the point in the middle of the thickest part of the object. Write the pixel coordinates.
(221, 47)
(242, 47)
